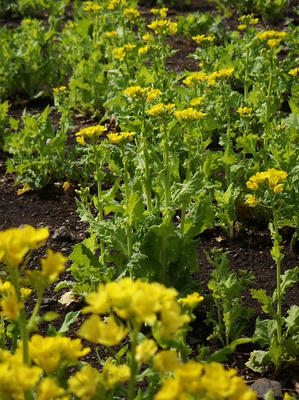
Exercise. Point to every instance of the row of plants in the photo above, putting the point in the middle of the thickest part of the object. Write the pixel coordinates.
(187, 152)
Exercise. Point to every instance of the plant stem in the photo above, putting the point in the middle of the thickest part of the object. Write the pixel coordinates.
(134, 365)
(278, 271)
(100, 215)
(268, 103)
(246, 74)
(127, 194)
(147, 180)
(166, 168)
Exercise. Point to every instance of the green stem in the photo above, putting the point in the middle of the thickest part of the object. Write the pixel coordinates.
(188, 173)
(246, 82)
(228, 147)
(22, 317)
(127, 194)
(166, 168)
(278, 272)
(100, 215)
(268, 103)
(134, 365)
(31, 322)
(147, 180)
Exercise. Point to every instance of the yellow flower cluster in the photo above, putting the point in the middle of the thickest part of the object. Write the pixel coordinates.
(145, 350)
(244, 110)
(194, 78)
(91, 8)
(115, 3)
(294, 72)
(16, 242)
(15, 377)
(59, 90)
(273, 43)
(84, 384)
(136, 302)
(143, 50)
(121, 52)
(119, 137)
(196, 380)
(272, 177)
(148, 37)
(266, 35)
(51, 353)
(10, 306)
(52, 265)
(197, 101)
(110, 35)
(202, 39)
(160, 12)
(160, 110)
(48, 389)
(188, 115)
(148, 93)
(164, 27)
(131, 13)
(192, 300)
(247, 20)
(252, 201)
(222, 74)
(90, 132)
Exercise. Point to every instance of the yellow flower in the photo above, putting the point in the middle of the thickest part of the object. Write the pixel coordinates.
(294, 71)
(10, 306)
(160, 110)
(107, 333)
(143, 50)
(113, 375)
(266, 35)
(252, 185)
(252, 201)
(170, 390)
(273, 43)
(132, 91)
(131, 13)
(52, 265)
(278, 188)
(16, 242)
(145, 350)
(223, 73)
(163, 27)
(81, 140)
(197, 101)
(99, 302)
(110, 35)
(148, 37)
(149, 94)
(92, 131)
(195, 78)
(94, 8)
(242, 27)
(116, 138)
(172, 320)
(25, 188)
(66, 186)
(202, 39)
(188, 115)
(191, 300)
(244, 110)
(166, 361)
(50, 353)
(160, 12)
(286, 396)
(121, 52)
(84, 383)
(59, 90)
(48, 390)
(114, 3)
(275, 177)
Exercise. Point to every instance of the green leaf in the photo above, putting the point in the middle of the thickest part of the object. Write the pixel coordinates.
(134, 209)
(265, 300)
(182, 192)
(258, 361)
(69, 319)
(265, 331)
(221, 355)
(292, 320)
(288, 279)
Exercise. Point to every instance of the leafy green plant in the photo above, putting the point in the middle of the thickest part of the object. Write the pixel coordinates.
(231, 317)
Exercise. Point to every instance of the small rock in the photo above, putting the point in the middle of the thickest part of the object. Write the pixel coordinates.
(262, 386)
(62, 233)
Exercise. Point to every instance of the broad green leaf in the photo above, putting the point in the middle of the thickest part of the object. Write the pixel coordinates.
(69, 319)
(265, 300)
(221, 355)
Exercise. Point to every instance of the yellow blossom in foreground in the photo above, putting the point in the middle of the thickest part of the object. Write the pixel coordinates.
(121, 52)
(223, 73)
(196, 380)
(252, 201)
(294, 71)
(160, 12)
(244, 110)
(188, 115)
(110, 35)
(10, 306)
(148, 37)
(145, 350)
(94, 8)
(132, 91)
(192, 300)
(48, 390)
(113, 375)
(16, 242)
(278, 188)
(50, 353)
(84, 383)
(202, 39)
(90, 132)
(171, 319)
(114, 3)
(107, 333)
(15, 377)
(164, 27)
(252, 185)
(266, 35)
(52, 265)
(160, 110)
(148, 93)
(59, 90)
(166, 361)
(131, 13)
(273, 177)
(143, 50)
(242, 27)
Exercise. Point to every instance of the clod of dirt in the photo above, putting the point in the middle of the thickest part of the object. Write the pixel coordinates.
(262, 386)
